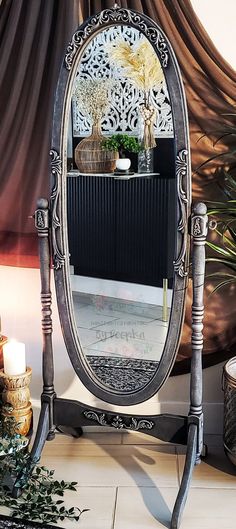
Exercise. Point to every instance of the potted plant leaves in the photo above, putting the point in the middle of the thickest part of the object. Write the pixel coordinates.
(123, 144)
(38, 489)
(224, 212)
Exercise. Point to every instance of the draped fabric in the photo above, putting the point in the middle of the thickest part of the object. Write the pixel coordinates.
(33, 35)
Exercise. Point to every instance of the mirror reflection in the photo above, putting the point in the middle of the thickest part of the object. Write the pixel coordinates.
(121, 199)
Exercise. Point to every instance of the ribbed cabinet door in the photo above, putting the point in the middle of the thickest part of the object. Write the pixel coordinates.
(91, 225)
(122, 229)
(145, 230)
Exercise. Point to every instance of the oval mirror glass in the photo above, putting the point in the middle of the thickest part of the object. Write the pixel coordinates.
(124, 200)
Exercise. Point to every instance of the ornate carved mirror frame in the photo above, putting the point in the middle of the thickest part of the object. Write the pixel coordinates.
(60, 250)
(51, 223)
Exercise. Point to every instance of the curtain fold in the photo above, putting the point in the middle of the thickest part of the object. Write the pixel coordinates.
(33, 35)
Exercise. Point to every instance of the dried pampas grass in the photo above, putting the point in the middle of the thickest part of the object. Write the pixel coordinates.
(139, 63)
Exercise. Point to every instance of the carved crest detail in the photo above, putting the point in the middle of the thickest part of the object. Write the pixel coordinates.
(118, 15)
(40, 219)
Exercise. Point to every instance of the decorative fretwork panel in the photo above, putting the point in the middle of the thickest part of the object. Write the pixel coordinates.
(123, 114)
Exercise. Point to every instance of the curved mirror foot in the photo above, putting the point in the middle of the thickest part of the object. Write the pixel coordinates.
(187, 474)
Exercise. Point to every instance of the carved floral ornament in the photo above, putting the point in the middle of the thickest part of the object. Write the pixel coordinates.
(56, 173)
(117, 421)
(121, 16)
(181, 174)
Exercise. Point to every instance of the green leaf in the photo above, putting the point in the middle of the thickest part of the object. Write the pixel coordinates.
(36, 502)
(221, 285)
(218, 275)
(226, 262)
(212, 158)
(218, 249)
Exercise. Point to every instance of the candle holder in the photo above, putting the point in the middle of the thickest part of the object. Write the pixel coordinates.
(16, 395)
(3, 340)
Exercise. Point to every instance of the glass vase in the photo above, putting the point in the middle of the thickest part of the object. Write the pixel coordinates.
(145, 161)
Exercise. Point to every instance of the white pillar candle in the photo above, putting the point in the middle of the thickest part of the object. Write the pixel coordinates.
(14, 358)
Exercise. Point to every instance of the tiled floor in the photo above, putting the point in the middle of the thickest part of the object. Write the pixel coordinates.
(120, 328)
(130, 481)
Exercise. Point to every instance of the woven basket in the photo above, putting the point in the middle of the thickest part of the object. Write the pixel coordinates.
(91, 158)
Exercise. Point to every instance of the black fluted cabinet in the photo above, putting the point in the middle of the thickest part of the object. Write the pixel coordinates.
(122, 229)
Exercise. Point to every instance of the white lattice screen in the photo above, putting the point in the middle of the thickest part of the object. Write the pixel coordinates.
(123, 115)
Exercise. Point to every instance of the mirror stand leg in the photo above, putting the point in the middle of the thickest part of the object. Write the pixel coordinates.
(195, 418)
(35, 453)
(199, 233)
(48, 394)
(164, 301)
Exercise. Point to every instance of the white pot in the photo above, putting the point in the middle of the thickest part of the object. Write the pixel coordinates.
(123, 164)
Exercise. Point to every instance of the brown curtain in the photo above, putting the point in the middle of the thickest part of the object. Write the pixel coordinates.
(32, 37)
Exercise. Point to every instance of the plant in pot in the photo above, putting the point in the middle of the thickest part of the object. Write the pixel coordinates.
(222, 250)
(122, 144)
(222, 256)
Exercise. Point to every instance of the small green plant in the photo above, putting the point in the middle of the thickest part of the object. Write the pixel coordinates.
(122, 143)
(40, 491)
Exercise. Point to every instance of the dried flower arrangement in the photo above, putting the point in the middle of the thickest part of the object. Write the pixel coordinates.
(139, 63)
(93, 102)
(92, 98)
(141, 66)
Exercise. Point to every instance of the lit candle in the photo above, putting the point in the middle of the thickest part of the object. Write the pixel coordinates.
(14, 358)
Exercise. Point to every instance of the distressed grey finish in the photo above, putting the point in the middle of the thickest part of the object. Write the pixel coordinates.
(58, 206)
(71, 415)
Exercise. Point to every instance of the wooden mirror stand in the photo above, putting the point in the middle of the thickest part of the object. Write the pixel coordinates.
(51, 221)
(57, 412)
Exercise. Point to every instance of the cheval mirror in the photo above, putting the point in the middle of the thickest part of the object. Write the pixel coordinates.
(119, 234)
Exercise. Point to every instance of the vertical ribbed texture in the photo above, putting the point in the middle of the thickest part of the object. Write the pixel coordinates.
(146, 230)
(122, 229)
(91, 225)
